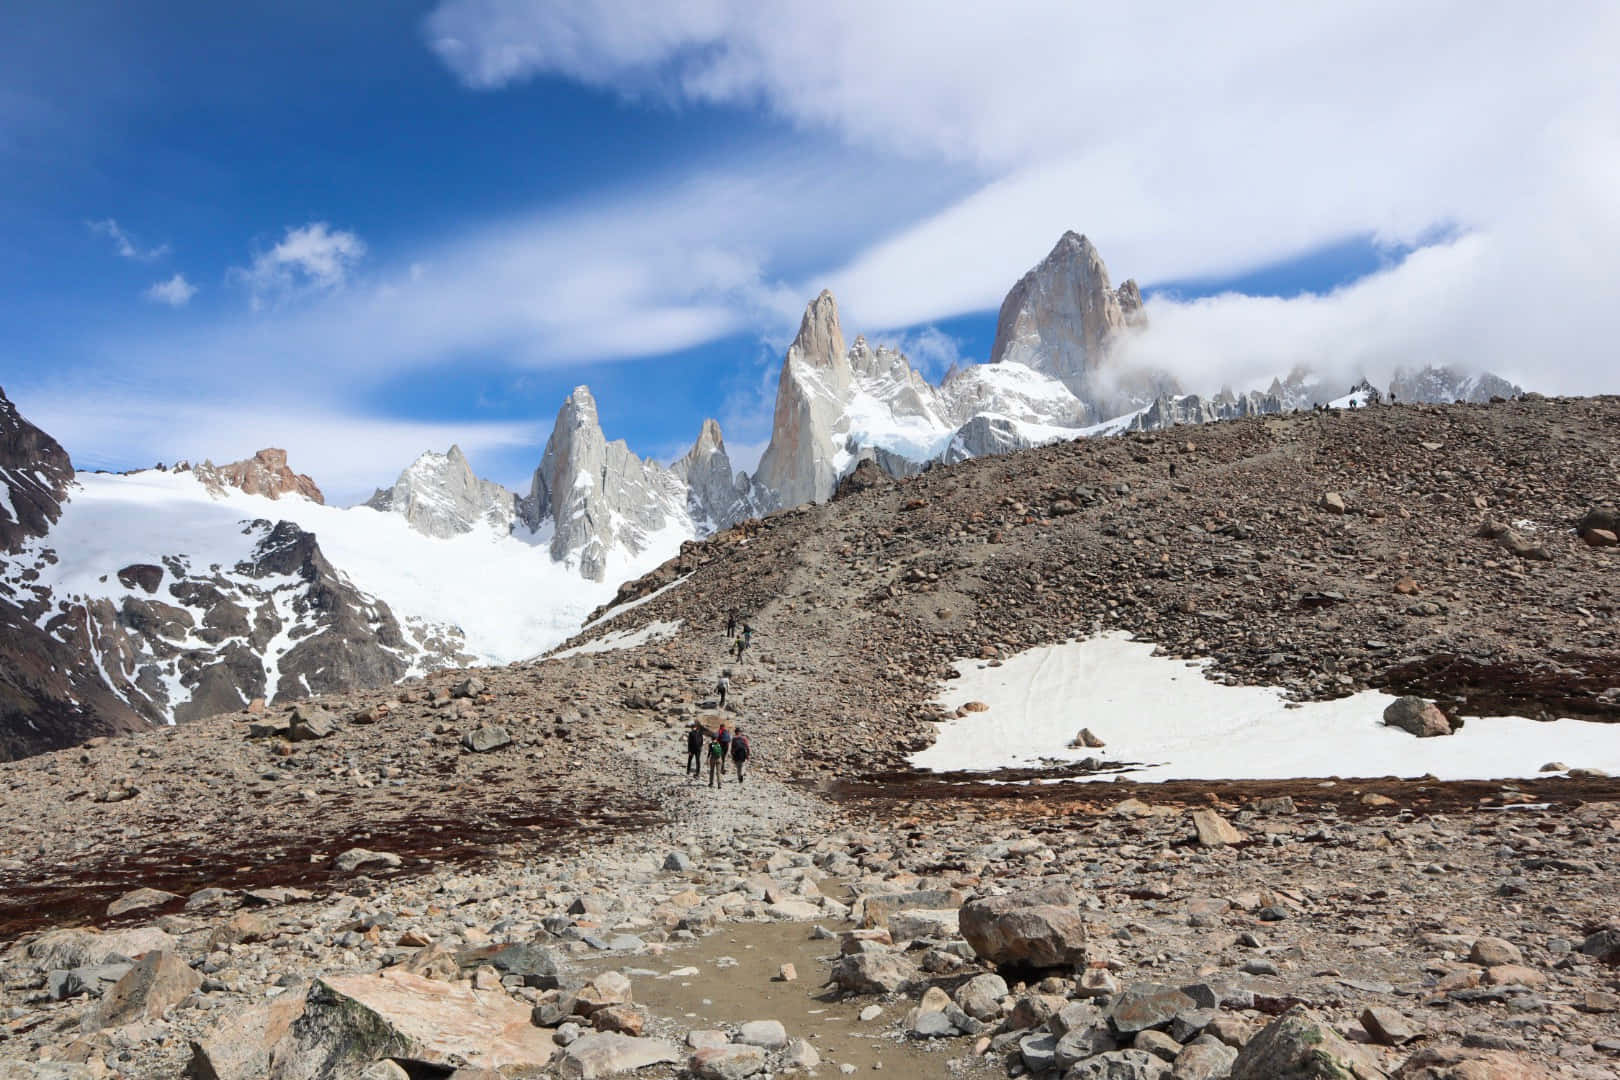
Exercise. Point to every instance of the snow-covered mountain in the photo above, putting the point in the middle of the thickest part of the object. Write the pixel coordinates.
(1444, 385)
(170, 594)
(439, 495)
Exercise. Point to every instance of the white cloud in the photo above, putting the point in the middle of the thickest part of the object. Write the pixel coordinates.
(176, 292)
(348, 454)
(930, 349)
(309, 258)
(1188, 140)
(123, 243)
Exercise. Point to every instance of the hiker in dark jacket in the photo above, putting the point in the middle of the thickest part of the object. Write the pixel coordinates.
(731, 624)
(694, 750)
(739, 752)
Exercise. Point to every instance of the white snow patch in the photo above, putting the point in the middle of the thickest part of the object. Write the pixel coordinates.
(623, 639)
(1165, 713)
(615, 612)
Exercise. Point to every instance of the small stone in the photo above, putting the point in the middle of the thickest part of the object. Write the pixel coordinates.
(1214, 830)
(1388, 1027)
(1493, 951)
(769, 1034)
(787, 973)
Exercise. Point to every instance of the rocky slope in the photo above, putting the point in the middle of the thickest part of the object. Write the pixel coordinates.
(529, 850)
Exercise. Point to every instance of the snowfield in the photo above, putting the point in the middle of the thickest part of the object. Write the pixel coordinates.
(1163, 712)
(505, 593)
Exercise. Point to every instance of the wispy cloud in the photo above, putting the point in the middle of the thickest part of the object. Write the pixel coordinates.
(176, 291)
(1188, 140)
(349, 453)
(123, 243)
(309, 258)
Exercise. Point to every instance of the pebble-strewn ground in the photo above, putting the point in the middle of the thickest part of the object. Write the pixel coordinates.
(1385, 895)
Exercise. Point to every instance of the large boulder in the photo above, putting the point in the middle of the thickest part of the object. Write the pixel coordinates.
(351, 1020)
(1300, 1046)
(1121, 1065)
(1038, 928)
(239, 1045)
(727, 1062)
(1416, 716)
(91, 948)
(609, 1053)
(1453, 1063)
(156, 983)
(1148, 1007)
(873, 973)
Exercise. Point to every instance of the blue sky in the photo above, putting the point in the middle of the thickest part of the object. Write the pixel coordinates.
(370, 229)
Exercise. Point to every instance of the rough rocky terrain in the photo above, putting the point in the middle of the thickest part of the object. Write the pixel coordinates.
(507, 843)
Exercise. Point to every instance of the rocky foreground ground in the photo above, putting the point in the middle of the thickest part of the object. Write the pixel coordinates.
(507, 869)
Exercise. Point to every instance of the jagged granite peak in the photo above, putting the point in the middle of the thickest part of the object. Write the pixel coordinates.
(35, 472)
(1444, 385)
(265, 473)
(802, 463)
(1170, 411)
(598, 497)
(716, 496)
(440, 495)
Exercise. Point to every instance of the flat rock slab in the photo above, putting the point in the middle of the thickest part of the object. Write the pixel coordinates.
(353, 1019)
(355, 858)
(139, 900)
(608, 1054)
(727, 1062)
(91, 948)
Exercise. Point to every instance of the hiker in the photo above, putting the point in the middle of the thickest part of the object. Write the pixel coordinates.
(721, 687)
(742, 643)
(719, 747)
(694, 750)
(739, 752)
(731, 624)
(717, 763)
(1172, 470)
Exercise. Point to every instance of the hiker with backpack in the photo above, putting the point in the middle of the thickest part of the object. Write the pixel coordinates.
(719, 747)
(721, 687)
(739, 752)
(731, 624)
(694, 750)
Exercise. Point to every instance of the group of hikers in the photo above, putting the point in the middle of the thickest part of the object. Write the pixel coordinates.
(726, 743)
(722, 744)
(742, 638)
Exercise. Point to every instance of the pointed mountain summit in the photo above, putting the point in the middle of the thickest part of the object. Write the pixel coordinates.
(598, 497)
(440, 495)
(1063, 319)
(716, 496)
(800, 464)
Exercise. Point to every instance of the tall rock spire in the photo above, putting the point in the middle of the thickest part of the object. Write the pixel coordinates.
(598, 496)
(1063, 317)
(801, 464)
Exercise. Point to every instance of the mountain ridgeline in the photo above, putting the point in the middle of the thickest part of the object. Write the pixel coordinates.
(168, 595)
(1055, 372)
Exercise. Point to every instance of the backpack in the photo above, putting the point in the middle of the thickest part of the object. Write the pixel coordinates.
(716, 750)
(739, 747)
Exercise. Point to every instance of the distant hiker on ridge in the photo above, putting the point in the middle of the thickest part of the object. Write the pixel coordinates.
(731, 624)
(694, 750)
(739, 752)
